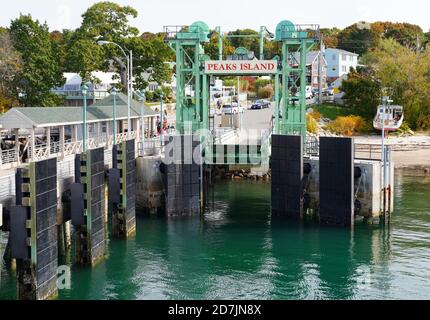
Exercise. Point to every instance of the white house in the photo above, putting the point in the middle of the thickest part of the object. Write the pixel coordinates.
(71, 89)
(339, 62)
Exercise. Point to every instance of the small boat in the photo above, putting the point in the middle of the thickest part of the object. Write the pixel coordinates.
(393, 116)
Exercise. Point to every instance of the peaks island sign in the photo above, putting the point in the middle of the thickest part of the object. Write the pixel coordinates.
(251, 67)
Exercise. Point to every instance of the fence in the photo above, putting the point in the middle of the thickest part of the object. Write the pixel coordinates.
(9, 158)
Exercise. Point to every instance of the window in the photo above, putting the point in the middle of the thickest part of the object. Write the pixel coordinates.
(334, 57)
(351, 58)
(344, 57)
(343, 68)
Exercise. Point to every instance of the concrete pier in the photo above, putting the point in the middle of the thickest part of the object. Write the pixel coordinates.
(34, 242)
(150, 188)
(333, 181)
(183, 176)
(91, 227)
(124, 212)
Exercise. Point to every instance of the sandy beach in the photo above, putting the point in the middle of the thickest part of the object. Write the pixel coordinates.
(410, 152)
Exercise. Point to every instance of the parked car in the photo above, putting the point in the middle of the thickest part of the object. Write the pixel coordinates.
(260, 104)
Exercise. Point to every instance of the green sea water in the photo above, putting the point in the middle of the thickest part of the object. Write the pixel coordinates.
(236, 251)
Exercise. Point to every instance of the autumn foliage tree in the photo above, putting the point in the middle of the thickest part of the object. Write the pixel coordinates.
(10, 66)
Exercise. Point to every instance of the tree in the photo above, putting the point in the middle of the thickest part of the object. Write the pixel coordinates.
(211, 48)
(404, 72)
(404, 33)
(152, 56)
(85, 56)
(109, 21)
(358, 38)
(362, 92)
(330, 37)
(251, 41)
(10, 66)
(40, 71)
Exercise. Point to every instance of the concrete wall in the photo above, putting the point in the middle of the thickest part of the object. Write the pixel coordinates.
(367, 189)
(149, 184)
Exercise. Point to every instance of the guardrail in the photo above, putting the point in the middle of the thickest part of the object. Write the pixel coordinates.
(221, 135)
(368, 152)
(9, 158)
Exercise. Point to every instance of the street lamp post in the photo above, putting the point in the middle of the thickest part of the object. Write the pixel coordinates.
(114, 93)
(84, 90)
(129, 59)
(142, 98)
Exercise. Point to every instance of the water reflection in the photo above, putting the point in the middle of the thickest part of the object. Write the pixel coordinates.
(236, 251)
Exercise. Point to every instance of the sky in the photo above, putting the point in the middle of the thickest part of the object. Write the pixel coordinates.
(229, 14)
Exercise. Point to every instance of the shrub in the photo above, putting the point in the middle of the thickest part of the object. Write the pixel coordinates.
(266, 92)
(149, 96)
(405, 130)
(346, 125)
(423, 122)
(316, 115)
(311, 124)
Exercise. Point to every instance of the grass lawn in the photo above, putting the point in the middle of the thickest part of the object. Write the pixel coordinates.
(332, 111)
(152, 104)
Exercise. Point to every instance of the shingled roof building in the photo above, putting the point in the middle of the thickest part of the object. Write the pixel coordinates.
(60, 128)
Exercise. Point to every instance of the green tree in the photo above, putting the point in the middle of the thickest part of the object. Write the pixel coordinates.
(107, 21)
(152, 56)
(404, 72)
(40, 71)
(250, 41)
(362, 92)
(211, 48)
(111, 22)
(85, 56)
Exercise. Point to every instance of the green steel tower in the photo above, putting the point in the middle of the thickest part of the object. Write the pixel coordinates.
(296, 41)
(192, 110)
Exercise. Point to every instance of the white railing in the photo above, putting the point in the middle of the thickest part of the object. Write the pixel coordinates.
(152, 147)
(9, 158)
(221, 135)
